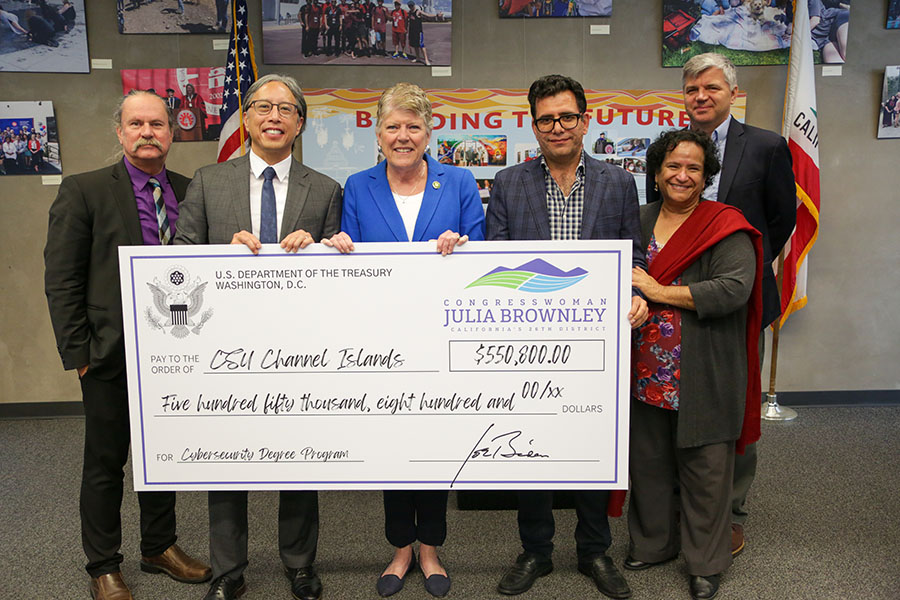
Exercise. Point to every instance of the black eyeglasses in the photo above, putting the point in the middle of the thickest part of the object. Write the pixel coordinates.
(567, 121)
(264, 107)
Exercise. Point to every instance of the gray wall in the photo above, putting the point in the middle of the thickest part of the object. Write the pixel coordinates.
(843, 340)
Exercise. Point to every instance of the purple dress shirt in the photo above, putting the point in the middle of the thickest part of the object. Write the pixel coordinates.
(143, 193)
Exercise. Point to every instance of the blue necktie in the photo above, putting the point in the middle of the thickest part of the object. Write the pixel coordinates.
(268, 232)
(162, 219)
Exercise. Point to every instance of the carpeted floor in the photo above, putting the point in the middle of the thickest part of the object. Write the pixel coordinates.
(825, 524)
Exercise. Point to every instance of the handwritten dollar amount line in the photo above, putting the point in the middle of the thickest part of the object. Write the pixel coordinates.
(522, 354)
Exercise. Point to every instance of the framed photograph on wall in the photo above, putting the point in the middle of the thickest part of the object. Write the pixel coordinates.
(889, 115)
(193, 94)
(357, 32)
(38, 36)
(173, 16)
(29, 139)
(893, 16)
(749, 32)
(510, 9)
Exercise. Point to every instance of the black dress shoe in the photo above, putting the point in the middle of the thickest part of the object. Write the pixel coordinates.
(388, 585)
(305, 583)
(633, 564)
(704, 588)
(226, 588)
(606, 577)
(521, 576)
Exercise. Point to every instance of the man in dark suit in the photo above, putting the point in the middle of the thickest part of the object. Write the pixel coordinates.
(756, 177)
(565, 195)
(132, 202)
(243, 201)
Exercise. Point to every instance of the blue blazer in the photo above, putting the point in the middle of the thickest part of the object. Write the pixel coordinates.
(451, 201)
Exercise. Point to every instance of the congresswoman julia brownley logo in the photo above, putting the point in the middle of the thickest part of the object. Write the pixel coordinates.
(536, 276)
(178, 300)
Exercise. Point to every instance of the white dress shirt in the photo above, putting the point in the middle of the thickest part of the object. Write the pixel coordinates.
(280, 183)
(719, 137)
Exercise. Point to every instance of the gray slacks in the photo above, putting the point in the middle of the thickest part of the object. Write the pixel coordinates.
(705, 477)
(298, 530)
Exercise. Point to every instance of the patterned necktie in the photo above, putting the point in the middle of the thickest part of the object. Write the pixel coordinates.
(162, 219)
(268, 232)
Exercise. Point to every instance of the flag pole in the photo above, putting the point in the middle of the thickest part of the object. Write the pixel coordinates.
(772, 410)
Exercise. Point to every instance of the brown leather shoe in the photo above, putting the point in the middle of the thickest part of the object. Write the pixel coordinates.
(737, 539)
(110, 587)
(177, 565)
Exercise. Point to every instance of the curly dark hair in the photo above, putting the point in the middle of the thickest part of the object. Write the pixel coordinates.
(669, 140)
(551, 85)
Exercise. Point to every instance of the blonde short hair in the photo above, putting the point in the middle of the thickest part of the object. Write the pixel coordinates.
(406, 96)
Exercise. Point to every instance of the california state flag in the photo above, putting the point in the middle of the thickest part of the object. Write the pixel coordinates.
(801, 130)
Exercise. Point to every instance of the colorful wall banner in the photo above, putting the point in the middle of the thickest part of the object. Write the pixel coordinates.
(486, 130)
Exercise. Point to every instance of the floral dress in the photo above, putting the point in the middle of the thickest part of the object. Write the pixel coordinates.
(656, 357)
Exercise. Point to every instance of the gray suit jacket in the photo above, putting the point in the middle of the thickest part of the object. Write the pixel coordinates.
(518, 206)
(217, 204)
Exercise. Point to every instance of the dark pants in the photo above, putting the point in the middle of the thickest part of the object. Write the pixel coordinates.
(106, 440)
(298, 530)
(704, 474)
(745, 464)
(333, 40)
(536, 525)
(411, 515)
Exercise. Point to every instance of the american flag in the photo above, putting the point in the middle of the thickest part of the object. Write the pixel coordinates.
(240, 73)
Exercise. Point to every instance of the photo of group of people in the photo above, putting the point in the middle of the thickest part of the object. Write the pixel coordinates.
(472, 150)
(889, 123)
(42, 37)
(29, 139)
(173, 16)
(193, 94)
(484, 189)
(555, 8)
(352, 32)
(751, 32)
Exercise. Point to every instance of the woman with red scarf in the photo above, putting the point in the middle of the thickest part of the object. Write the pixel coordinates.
(695, 366)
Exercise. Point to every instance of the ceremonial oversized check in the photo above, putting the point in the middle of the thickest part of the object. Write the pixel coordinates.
(504, 365)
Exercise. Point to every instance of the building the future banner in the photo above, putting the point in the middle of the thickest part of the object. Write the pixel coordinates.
(486, 130)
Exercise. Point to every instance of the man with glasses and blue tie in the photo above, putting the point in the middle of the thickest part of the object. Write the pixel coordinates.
(565, 195)
(132, 202)
(263, 197)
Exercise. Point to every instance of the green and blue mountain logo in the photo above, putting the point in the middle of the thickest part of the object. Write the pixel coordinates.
(536, 276)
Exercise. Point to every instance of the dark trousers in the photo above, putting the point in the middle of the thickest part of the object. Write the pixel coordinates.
(298, 530)
(704, 474)
(106, 439)
(411, 515)
(333, 40)
(536, 524)
(745, 464)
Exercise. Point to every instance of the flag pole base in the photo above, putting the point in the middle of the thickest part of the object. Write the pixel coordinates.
(775, 412)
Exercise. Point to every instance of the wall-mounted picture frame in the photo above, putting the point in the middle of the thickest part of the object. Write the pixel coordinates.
(518, 9)
(39, 36)
(358, 32)
(173, 16)
(889, 115)
(29, 139)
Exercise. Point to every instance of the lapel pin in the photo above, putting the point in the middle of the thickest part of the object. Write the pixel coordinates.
(436, 185)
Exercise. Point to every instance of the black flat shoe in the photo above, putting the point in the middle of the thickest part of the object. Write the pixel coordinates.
(437, 585)
(633, 564)
(388, 585)
(522, 575)
(704, 588)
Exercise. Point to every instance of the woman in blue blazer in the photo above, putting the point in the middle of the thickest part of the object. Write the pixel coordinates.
(410, 197)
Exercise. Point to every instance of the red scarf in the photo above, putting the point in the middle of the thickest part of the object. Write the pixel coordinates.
(709, 224)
